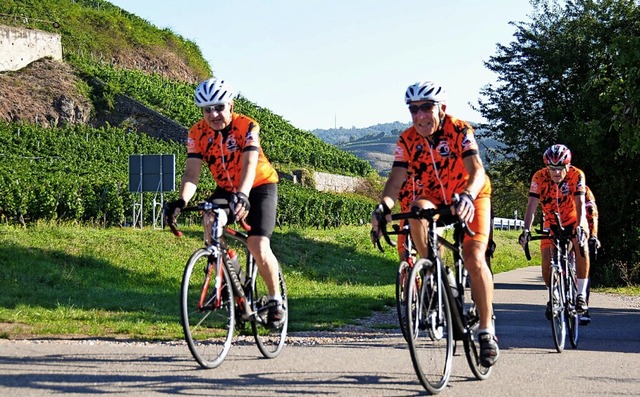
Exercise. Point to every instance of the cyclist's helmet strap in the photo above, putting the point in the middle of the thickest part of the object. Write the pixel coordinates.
(557, 155)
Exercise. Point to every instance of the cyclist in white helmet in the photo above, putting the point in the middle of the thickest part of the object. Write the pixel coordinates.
(442, 156)
(229, 143)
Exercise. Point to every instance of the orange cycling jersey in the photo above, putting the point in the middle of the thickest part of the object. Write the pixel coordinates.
(556, 197)
(437, 165)
(222, 151)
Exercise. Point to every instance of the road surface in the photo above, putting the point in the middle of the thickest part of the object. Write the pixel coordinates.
(607, 361)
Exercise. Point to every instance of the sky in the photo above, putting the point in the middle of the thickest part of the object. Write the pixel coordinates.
(343, 63)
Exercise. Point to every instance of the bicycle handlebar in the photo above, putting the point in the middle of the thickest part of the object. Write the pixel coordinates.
(415, 213)
(557, 230)
(207, 206)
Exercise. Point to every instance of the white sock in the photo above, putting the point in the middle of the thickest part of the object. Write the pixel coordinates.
(277, 297)
(491, 330)
(582, 287)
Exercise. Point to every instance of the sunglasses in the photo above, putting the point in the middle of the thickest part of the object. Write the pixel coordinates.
(425, 107)
(217, 108)
(556, 167)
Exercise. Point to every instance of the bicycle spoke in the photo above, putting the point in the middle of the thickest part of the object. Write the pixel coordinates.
(431, 338)
(208, 331)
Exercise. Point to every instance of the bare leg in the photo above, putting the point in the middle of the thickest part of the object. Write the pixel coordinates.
(260, 248)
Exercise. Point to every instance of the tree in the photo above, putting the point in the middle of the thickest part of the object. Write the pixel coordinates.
(572, 76)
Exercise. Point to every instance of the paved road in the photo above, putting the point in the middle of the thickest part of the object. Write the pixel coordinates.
(606, 362)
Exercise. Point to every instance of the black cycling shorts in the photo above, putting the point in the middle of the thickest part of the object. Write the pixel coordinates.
(263, 200)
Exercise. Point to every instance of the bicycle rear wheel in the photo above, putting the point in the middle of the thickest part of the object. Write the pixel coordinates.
(472, 345)
(270, 341)
(430, 333)
(556, 297)
(573, 317)
(402, 276)
(207, 315)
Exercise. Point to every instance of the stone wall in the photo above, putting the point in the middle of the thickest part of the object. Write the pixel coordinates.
(19, 47)
(129, 113)
(335, 183)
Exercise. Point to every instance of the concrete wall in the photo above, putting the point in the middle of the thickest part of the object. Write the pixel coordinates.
(19, 47)
(335, 183)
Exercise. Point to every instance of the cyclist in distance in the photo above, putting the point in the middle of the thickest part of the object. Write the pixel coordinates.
(441, 153)
(594, 243)
(559, 187)
(229, 144)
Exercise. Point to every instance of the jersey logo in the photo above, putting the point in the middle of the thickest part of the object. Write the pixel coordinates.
(468, 141)
(232, 144)
(534, 186)
(191, 143)
(564, 188)
(443, 149)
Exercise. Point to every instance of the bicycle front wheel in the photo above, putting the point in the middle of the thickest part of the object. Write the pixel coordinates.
(430, 333)
(270, 341)
(401, 297)
(207, 313)
(573, 317)
(556, 297)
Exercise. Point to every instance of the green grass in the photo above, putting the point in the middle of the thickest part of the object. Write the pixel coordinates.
(68, 280)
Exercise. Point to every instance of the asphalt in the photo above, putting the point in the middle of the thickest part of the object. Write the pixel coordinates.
(605, 363)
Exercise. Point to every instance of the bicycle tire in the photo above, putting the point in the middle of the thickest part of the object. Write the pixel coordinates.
(270, 341)
(472, 345)
(431, 341)
(208, 332)
(556, 297)
(572, 315)
(402, 276)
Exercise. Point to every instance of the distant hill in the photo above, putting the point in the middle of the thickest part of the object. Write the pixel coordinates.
(376, 144)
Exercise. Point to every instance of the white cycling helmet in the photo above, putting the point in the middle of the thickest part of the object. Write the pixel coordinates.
(213, 92)
(425, 91)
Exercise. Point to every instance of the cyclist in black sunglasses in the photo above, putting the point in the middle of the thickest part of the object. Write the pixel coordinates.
(441, 154)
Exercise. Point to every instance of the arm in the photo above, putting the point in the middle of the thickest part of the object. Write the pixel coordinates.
(393, 185)
(190, 179)
(474, 167)
(532, 204)
(465, 208)
(581, 213)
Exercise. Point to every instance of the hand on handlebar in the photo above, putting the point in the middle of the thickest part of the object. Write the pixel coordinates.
(524, 237)
(465, 208)
(379, 221)
(240, 206)
(171, 211)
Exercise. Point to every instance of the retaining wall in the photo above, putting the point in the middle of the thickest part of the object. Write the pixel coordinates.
(19, 47)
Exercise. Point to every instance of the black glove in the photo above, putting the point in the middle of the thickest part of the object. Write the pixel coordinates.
(170, 210)
(466, 201)
(524, 237)
(241, 199)
(381, 211)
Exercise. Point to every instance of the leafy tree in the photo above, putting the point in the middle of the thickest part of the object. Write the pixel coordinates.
(571, 76)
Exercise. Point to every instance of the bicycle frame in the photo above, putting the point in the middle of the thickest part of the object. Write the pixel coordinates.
(562, 282)
(210, 318)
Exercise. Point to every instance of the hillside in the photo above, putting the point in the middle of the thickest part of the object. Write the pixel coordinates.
(376, 144)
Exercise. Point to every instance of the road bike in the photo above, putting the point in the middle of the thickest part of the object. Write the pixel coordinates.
(563, 285)
(439, 308)
(218, 297)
